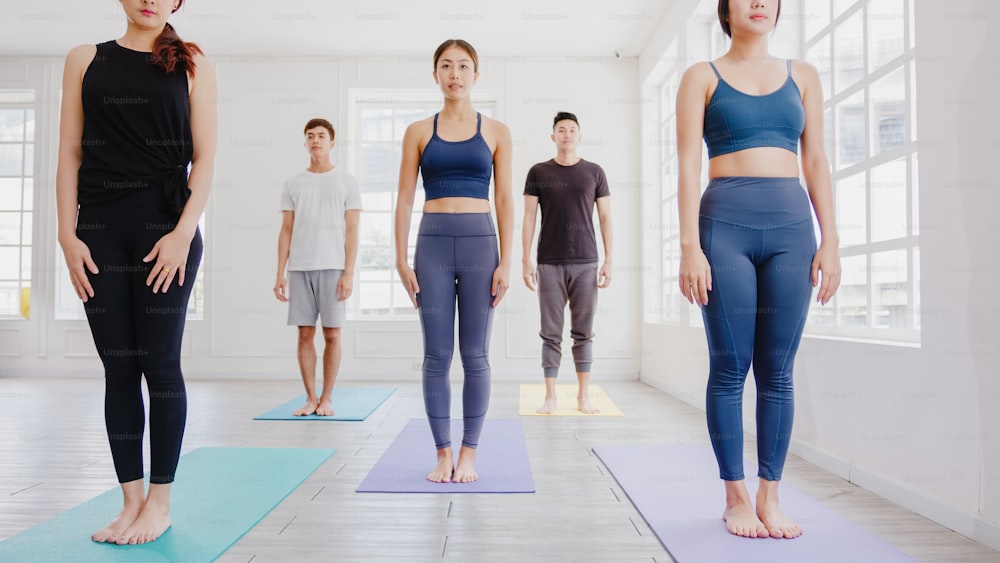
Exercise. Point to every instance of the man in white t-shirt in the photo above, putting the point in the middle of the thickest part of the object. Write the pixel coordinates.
(318, 245)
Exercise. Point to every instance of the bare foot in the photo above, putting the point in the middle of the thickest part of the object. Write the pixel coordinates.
(150, 525)
(548, 407)
(741, 520)
(308, 409)
(583, 403)
(325, 408)
(778, 525)
(445, 467)
(465, 471)
(117, 527)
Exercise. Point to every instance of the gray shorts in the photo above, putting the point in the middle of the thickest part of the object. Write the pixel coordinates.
(313, 294)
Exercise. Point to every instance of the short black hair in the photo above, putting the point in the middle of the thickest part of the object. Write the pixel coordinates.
(564, 115)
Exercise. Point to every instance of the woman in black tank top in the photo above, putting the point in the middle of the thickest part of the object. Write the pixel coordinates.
(137, 112)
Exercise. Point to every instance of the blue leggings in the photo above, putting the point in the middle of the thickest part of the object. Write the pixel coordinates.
(758, 236)
(456, 257)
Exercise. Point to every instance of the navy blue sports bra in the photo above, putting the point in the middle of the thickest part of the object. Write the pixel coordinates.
(735, 121)
(457, 168)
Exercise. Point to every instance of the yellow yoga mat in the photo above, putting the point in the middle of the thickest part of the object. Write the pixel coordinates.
(533, 395)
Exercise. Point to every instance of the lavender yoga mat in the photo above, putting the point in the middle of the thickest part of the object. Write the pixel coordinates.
(678, 493)
(501, 461)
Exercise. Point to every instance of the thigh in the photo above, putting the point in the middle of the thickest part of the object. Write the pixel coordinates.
(302, 304)
(434, 265)
(732, 303)
(582, 293)
(477, 260)
(333, 311)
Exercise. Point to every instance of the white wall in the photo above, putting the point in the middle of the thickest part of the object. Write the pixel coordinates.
(264, 101)
(915, 424)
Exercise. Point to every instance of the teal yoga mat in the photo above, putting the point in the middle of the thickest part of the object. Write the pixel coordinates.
(349, 403)
(219, 495)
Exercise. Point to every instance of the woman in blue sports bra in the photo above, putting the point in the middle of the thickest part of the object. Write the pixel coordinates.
(456, 258)
(748, 247)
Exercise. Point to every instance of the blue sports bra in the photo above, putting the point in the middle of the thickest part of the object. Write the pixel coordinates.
(457, 168)
(735, 121)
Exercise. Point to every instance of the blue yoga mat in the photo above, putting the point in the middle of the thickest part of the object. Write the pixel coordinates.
(219, 495)
(349, 403)
(501, 461)
(678, 493)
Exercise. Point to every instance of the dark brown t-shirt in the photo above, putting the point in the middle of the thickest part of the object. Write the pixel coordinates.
(567, 195)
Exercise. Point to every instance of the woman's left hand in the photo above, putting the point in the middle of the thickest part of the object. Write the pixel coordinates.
(826, 261)
(170, 253)
(501, 281)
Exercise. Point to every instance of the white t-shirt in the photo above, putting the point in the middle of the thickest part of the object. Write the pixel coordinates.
(319, 200)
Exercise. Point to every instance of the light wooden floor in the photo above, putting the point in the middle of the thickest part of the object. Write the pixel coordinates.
(54, 455)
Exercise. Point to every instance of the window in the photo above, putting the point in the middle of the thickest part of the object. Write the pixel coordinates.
(378, 120)
(871, 142)
(17, 149)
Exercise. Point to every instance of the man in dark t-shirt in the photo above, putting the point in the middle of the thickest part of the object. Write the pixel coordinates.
(566, 188)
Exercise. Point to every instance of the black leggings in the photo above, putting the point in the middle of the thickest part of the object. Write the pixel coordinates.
(138, 332)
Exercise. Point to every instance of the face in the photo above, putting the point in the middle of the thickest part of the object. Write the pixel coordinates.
(566, 134)
(318, 141)
(455, 73)
(752, 16)
(151, 14)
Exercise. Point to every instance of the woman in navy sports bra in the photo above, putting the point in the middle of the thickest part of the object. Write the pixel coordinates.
(748, 247)
(456, 258)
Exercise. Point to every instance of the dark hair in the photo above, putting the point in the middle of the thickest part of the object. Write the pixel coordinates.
(461, 44)
(724, 16)
(169, 51)
(563, 115)
(319, 122)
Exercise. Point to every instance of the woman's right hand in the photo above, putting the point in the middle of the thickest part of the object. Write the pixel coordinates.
(79, 262)
(696, 278)
(409, 279)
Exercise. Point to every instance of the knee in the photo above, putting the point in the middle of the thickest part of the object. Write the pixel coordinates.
(306, 335)
(331, 336)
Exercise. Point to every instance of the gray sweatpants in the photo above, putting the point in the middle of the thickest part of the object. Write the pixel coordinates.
(557, 284)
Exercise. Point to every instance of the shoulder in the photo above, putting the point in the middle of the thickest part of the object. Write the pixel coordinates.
(202, 63)
(698, 73)
(80, 56)
(805, 75)
(496, 127)
(419, 127)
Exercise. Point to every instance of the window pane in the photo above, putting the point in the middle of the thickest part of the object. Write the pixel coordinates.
(916, 288)
(29, 159)
(848, 43)
(912, 96)
(914, 196)
(376, 125)
(374, 202)
(819, 55)
(29, 126)
(889, 280)
(405, 117)
(11, 124)
(851, 130)
(10, 194)
(817, 16)
(852, 210)
(10, 258)
(375, 298)
(888, 197)
(10, 159)
(29, 194)
(841, 6)
(888, 112)
(25, 262)
(852, 298)
(10, 299)
(10, 227)
(379, 167)
(26, 228)
(885, 31)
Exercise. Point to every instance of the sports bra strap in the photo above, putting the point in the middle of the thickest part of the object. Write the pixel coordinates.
(435, 124)
(789, 67)
(479, 122)
(715, 70)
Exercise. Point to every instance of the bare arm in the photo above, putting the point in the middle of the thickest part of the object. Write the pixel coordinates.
(503, 199)
(607, 236)
(816, 169)
(284, 244)
(78, 258)
(528, 237)
(171, 251)
(695, 274)
(409, 167)
(346, 286)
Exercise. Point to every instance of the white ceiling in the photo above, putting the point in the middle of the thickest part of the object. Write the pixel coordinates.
(504, 28)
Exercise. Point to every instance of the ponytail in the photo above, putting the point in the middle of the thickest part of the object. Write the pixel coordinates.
(171, 52)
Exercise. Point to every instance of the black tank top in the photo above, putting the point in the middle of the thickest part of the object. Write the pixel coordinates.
(136, 128)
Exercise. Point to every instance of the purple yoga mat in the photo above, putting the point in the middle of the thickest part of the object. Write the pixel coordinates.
(678, 493)
(501, 461)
